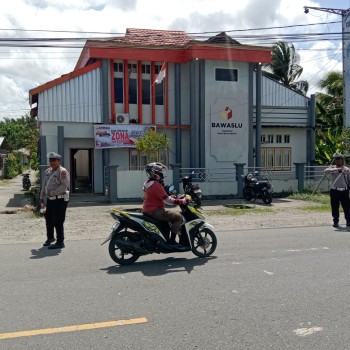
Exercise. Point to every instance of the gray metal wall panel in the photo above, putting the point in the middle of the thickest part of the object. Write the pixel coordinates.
(76, 100)
(275, 94)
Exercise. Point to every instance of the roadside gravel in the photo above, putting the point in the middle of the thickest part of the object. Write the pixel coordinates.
(88, 216)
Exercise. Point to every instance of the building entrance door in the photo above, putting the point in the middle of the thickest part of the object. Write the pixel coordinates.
(81, 170)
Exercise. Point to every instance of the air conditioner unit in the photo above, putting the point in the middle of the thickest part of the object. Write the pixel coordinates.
(122, 118)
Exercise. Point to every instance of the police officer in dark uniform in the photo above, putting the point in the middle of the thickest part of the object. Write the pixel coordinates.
(339, 191)
(55, 189)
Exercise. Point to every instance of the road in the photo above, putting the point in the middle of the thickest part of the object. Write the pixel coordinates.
(263, 289)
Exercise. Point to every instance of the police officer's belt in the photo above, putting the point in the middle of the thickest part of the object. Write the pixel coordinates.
(57, 197)
(338, 188)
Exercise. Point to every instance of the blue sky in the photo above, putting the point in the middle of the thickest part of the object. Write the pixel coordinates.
(24, 68)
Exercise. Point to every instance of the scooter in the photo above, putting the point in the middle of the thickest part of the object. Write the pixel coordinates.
(257, 187)
(26, 183)
(135, 234)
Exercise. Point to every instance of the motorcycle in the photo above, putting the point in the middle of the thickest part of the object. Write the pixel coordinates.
(193, 190)
(26, 183)
(135, 234)
(257, 187)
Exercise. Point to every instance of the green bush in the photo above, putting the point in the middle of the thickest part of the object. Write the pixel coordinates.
(11, 166)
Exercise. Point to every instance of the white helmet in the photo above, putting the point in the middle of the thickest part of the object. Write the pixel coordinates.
(155, 170)
(249, 177)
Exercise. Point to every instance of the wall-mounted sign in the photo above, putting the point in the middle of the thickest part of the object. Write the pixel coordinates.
(228, 130)
(116, 136)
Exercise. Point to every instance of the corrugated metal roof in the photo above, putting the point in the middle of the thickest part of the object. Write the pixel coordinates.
(277, 95)
(75, 100)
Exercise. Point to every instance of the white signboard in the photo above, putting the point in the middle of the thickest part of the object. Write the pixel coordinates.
(228, 131)
(117, 136)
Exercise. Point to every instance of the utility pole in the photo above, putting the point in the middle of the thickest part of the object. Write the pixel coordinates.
(346, 57)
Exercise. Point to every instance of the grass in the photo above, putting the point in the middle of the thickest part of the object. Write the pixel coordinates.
(239, 211)
(320, 199)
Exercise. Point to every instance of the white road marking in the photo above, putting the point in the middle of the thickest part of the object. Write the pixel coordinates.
(302, 332)
(269, 273)
(307, 249)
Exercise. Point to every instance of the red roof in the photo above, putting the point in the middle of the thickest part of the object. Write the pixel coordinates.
(156, 37)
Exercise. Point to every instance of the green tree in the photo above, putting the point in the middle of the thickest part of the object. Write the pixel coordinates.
(330, 134)
(285, 67)
(151, 143)
(21, 133)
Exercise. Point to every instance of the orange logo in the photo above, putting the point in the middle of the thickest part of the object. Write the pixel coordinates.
(226, 114)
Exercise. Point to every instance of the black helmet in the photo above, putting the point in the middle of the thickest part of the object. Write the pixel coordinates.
(155, 170)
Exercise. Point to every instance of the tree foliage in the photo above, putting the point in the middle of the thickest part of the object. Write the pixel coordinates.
(21, 133)
(330, 134)
(285, 67)
(151, 143)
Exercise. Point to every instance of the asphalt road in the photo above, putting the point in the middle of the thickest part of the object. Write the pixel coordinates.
(263, 289)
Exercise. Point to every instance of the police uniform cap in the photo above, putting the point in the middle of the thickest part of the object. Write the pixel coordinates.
(54, 155)
(338, 155)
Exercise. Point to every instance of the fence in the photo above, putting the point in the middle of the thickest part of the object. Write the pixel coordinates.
(124, 184)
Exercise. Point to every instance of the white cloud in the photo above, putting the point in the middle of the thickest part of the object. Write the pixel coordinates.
(24, 68)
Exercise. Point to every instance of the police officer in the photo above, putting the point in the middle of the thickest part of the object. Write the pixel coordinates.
(339, 191)
(55, 188)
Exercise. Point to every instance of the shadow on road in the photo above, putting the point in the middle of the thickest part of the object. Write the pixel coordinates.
(44, 252)
(159, 267)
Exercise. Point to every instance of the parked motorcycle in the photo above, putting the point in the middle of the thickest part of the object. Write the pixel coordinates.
(193, 190)
(135, 234)
(257, 187)
(26, 183)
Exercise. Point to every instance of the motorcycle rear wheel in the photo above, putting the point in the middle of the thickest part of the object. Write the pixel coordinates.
(204, 243)
(266, 197)
(117, 254)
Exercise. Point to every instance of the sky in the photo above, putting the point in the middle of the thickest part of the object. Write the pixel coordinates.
(24, 68)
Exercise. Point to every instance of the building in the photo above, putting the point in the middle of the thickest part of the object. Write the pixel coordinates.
(204, 100)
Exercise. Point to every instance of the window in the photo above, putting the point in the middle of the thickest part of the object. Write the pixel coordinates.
(118, 90)
(146, 69)
(146, 91)
(278, 138)
(132, 91)
(157, 68)
(118, 67)
(276, 158)
(226, 74)
(286, 138)
(138, 161)
(132, 68)
(267, 138)
(159, 91)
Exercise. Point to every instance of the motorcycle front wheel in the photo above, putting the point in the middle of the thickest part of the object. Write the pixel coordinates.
(204, 243)
(247, 194)
(117, 254)
(266, 197)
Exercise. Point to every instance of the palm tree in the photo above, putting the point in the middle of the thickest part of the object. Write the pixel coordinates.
(330, 103)
(285, 67)
(330, 135)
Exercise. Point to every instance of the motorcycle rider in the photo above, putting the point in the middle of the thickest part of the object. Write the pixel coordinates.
(155, 199)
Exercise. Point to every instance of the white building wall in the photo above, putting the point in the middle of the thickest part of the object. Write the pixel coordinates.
(227, 139)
